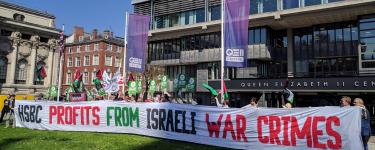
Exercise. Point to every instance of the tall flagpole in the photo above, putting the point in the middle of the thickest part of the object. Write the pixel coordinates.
(125, 50)
(222, 51)
(60, 66)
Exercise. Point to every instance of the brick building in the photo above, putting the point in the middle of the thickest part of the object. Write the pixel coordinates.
(90, 52)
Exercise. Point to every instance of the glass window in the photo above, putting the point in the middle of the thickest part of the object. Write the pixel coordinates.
(288, 4)
(117, 62)
(263, 35)
(269, 5)
(70, 62)
(87, 60)
(21, 72)
(78, 48)
(330, 1)
(365, 41)
(257, 36)
(331, 42)
(78, 61)
(367, 33)
(216, 12)
(85, 77)
(96, 46)
(108, 60)
(96, 60)
(200, 15)
(175, 20)
(87, 47)
(251, 37)
(68, 78)
(159, 22)
(3, 69)
(254, 8)
(369, 48)
(368, 25)
(69, 50)
(312, 2)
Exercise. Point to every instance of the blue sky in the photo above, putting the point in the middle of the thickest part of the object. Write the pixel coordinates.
(90, 14)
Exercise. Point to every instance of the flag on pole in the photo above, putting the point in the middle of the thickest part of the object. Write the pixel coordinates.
(236, 24)
(41, 73)
(99, 74)
(138, 27)
(61, 41)
(226, 95)
(77, 81)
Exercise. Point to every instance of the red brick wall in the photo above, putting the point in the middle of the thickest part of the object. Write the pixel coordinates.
(102, 52)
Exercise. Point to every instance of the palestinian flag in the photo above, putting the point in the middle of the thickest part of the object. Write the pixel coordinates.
(226, 95)
(212, 90)
(77, 81)
(41, 73)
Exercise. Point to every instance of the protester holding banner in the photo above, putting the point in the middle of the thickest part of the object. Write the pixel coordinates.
(345, 101)
(7, 106)
(10, 103)
(365, 122)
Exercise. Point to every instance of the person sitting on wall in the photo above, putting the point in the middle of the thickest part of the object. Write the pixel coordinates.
(365, 122)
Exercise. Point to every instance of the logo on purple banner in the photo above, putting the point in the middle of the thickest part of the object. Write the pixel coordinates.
(138, 27)
(236, 22)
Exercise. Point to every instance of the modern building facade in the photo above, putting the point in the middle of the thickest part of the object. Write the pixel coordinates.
(28, 41)
(326, 48)
(89, 53)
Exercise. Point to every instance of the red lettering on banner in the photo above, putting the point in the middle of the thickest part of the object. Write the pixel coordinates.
(286, 120)
(274, 131)
(75, 114)
(228, 127)
(213, 126)
(87, 109)
(60, 113)
(68, 115)
(261, 138)
(52, 112)
(82, 116)
(241, 120)
(331, 132)
(96, 120)
(317, 132)
(305, 132)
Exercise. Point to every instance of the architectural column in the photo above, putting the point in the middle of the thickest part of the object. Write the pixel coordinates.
(55, 68)
(34, 48)
(290, 53)
(13, 57)
(50, 63)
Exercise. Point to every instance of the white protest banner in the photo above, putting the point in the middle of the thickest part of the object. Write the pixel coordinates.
(240, 128)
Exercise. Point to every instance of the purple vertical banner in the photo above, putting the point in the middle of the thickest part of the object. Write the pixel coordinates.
(138, 26)
(236, 23)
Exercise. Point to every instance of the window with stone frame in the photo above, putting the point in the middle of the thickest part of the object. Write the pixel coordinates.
(95, 60)
(3, 69)
(85, 77)
(78, 61)
(96, 46)
(21, 72)
(70, 62)
(87, 61)
(108, 60)
(87, 47)
(68, 78)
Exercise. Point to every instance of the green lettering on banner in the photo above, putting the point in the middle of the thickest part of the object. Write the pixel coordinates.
(109, 117)
(118, 116)
(134, 116)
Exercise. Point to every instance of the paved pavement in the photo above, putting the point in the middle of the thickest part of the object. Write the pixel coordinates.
(371, 143)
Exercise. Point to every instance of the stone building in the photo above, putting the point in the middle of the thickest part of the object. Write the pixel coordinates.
(28, 40)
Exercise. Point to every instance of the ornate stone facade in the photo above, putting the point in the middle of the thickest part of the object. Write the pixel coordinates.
(25, 47)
